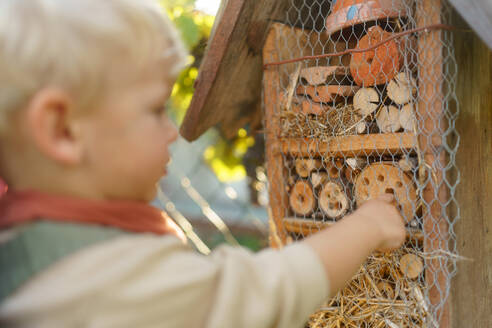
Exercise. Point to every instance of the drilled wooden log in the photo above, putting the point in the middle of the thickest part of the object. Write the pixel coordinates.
(302, 199)
(304, 166)
(377, 66)
(378, 178)
(333, 201)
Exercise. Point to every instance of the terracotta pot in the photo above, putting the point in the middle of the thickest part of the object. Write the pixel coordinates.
(347, 13)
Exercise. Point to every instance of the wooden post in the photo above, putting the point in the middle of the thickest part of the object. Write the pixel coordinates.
(434, 193)
(274, 162)
(472, 287)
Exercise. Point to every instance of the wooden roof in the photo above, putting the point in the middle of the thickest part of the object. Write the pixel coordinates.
(478, 14)
(228, 87)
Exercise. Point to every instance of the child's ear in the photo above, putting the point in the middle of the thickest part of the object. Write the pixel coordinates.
(50, 122)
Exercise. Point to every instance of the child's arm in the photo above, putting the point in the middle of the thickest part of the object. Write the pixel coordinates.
(342, 248)
(144, 280)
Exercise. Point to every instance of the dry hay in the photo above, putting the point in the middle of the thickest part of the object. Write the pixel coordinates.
(378, 296)
(339, 120)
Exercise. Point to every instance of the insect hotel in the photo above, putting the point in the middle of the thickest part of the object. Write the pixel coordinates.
(358, 98)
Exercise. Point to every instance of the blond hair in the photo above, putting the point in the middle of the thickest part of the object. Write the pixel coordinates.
(71, 43)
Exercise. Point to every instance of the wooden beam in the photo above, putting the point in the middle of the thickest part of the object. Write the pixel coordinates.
(432, 125)
(307, 227)
(349, 146)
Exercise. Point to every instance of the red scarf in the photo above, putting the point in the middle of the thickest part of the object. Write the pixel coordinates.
(18, 207)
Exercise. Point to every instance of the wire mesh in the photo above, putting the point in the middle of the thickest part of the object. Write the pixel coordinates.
(359, 99)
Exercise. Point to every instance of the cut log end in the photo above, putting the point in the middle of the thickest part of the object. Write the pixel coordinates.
(304, 166)
(402, 88)
(366, 101)
(388, 119)
(407, 118)
(301, 198)
(333, 201)
(411, 266)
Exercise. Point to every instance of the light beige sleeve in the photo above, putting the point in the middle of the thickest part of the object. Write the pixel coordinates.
(145, 281)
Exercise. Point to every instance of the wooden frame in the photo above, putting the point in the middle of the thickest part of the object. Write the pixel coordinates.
(429, 109)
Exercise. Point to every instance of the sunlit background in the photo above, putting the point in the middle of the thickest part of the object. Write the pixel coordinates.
(208, 6)
(215, 186)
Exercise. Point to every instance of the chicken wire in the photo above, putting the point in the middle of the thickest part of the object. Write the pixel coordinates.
(359, 100)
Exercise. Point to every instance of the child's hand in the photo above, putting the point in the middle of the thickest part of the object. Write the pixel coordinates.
(387, 220)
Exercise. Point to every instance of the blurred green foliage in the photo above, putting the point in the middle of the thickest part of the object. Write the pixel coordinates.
(194, 27)
(225, 156)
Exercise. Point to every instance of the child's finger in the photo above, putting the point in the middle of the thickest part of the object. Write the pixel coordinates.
(389, 198)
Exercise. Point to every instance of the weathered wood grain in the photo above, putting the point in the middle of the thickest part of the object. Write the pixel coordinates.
(279, 199)
(472, 287)
(228, 86)
(349, 146)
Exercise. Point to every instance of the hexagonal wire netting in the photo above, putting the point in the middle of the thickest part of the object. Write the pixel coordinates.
(359, 100)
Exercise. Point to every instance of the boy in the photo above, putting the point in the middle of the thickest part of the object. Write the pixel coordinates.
(83, 141)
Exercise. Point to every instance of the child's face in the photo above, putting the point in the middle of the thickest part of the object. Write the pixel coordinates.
(129, 135)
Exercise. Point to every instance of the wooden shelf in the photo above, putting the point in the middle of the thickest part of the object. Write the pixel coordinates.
(350, 146)
(307, 227)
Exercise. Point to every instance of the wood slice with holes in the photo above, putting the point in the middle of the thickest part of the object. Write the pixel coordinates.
(327, 93)
(377, 66)
(402, 88)
(301, 198)
(304, 166)
(388, 119)
(325, 75)
(332, 200)
(407, 118)
(378, 178)
(366, 101)
(411, 266)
